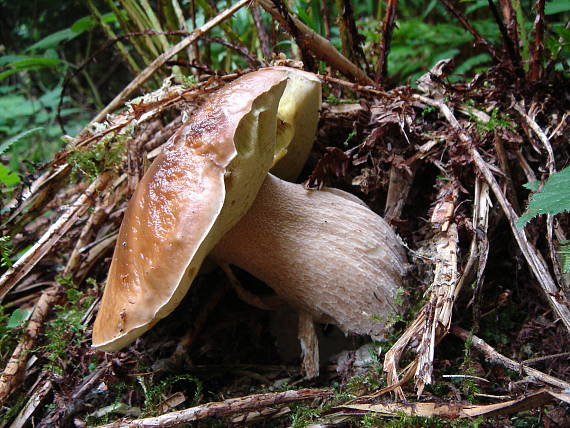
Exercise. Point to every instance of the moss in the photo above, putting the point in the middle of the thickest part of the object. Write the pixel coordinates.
(116, 390)
(496, 120)
(407, 421)
(469, 385)
(104, 155)
(331, 99)
(66, 329)
(14, 409)
(399, 299)
(302, 415)
(187, 81)
(156, 393)
(6, 339)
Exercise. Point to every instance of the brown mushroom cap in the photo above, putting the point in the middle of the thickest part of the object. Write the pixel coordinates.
(196, 190)
(324, 252)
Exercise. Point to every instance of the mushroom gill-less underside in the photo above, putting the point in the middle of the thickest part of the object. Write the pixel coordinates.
(324, 252)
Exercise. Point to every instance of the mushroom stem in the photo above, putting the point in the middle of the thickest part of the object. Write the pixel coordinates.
(324, 252)
(309, 344)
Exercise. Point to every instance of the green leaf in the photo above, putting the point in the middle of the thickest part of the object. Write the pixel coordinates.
(7, 59)
(37, 61)
(29, 63)
(8, 177)
(83, 24)
(52, 40)
(472, 62)
(532, 185)
(13, 140)
(15, 106)
(476, 5)
(18, 317)
(304, 16)
(5, 260)
(553, 199)
(556, 6)
(8, 73)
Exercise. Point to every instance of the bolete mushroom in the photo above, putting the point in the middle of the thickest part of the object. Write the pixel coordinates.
(205, 179)
(324, 252)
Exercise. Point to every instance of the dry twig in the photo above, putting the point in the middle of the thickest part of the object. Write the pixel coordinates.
(261, 32)
(494, 357)
(353, 86)
(507, 40)
(482, 206)
(510, 18)
(387, 27)
(37, 394)
(223, 408)
(398, 188)
(321, 47)
(351, 39)
(53, 234)
(478, 38)
(551, 165)
(538, 48)
(13, 372)
(434, 318)
(144, 75)
(452, 410)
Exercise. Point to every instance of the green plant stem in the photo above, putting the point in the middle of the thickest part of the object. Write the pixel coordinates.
(138, 17)
(123, 52)
(522, 30)
(209, 11)
(97, 98)
(125, 26)
(155, 25)
(181, 23)
(149, 71)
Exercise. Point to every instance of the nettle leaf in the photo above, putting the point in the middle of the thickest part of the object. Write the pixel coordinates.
(533, 186)
(553, 199)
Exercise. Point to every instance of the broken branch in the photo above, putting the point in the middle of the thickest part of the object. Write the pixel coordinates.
(223, 408)
(494, 357)
(321, 47)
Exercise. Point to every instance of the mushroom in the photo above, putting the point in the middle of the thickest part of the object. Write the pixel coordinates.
(324, 252)
(205, 179)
